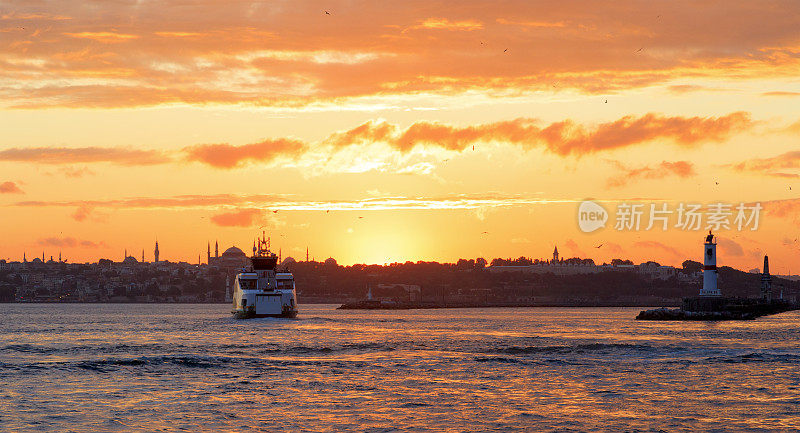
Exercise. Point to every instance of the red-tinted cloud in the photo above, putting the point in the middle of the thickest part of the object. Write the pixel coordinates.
(10, 188)
(242, 218)
(730, 247)
(574, 249)
(228, 156)
(563, 138)
(659, 246)
(773, 166)
(69, 242)
(65, 155)
(680, 169)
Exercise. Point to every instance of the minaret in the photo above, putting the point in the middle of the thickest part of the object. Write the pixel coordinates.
(42, 256)
(280, 258)
(216, 249)
(710, 268)
(555, 255)
(126, 254)
(155, 253)
(766, 281)
(306, 254)
(142, 255)
(209, 253)
(24, 258)
(59, 257)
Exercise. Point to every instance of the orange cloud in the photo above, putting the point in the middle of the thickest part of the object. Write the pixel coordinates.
(284, 202)
(242, 218)
(445, 24)
(66, 155)
(730, 247)
(228, 156)
(659, 246)
(531, 23)
(574, 249)
(613, 248)
(563, 138)
(106, 37)
(82, 213)
(771, 166)
(680, 169)
(788, 208)
(579, 44)
(10, 188)
(180, 201)
(69, 242)
(779, 93)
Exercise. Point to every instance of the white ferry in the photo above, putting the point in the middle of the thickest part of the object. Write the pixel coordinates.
(263, 289)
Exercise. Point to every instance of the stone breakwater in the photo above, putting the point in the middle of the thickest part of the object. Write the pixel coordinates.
(720, 309)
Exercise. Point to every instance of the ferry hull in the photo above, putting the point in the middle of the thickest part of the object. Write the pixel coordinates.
(240, 314)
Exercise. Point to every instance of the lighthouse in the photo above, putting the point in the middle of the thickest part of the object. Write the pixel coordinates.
(710, 268)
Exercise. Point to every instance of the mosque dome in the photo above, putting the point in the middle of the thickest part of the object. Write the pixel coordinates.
(130, 260)
(288, 260)
(233, 252)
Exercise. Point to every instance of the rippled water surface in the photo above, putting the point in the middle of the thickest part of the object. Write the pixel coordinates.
(70, 367)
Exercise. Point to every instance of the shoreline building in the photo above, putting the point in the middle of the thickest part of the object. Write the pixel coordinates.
(766, 281)
(576, 266)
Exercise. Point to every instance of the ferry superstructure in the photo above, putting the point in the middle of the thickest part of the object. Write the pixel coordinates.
(263, 289)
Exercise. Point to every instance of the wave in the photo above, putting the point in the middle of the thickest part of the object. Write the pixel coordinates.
(350, 320)
(582, 349)
(754, 357)
(178, 361)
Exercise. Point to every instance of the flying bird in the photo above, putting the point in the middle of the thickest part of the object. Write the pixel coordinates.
(328, 211)
(716, 182)
(505, 50)
(640, 49)
(484, 233)
(327, 13)
(275, 211)
(360, 217)
(606, 101)
(599, 246)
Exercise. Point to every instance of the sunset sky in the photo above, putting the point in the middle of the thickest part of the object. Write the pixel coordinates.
(375, 132)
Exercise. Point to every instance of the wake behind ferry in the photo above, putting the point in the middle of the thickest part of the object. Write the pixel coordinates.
(264, 290)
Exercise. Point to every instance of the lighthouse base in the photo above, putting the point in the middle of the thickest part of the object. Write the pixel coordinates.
(701, 308)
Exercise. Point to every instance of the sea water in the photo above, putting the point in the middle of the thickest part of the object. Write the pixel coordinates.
(162, 367)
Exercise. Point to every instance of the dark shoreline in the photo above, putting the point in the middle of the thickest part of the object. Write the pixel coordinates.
(428, 306)
(394, 307)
